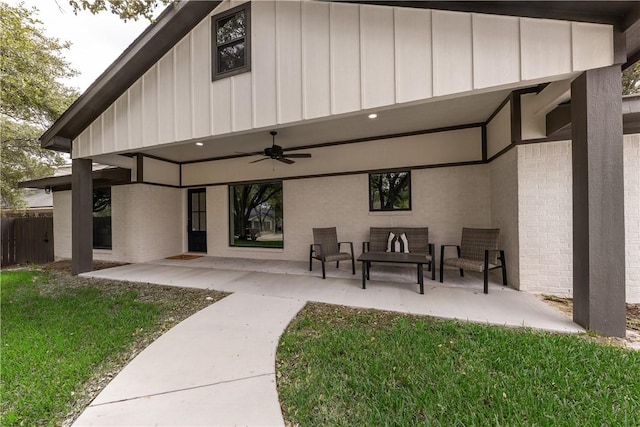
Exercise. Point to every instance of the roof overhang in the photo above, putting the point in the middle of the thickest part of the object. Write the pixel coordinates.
(101, 178)
(179, 18)
(170, 27)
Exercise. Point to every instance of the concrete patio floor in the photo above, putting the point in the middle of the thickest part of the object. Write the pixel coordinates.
(390, 288)
(218, 366)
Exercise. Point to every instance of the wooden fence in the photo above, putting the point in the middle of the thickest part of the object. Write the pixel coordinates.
(27, 240)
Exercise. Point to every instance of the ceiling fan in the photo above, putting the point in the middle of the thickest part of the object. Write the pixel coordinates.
(276, 152)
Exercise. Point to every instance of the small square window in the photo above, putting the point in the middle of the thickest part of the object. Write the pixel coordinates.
(390, 191)
(231, 42)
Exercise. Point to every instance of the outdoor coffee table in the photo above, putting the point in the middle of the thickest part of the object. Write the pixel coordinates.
(400, 258)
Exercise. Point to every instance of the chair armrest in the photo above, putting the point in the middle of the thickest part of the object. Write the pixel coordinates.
(444, 246)
(432, 249)
(350, 244)
(317, 251)
(365, 247)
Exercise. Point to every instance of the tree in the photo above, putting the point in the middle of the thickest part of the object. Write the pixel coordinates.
(32, 98)
(631, 80)
(247, 199)
(125, 9)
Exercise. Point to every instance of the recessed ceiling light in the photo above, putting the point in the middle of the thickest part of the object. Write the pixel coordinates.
(373, 115)
(199, 144)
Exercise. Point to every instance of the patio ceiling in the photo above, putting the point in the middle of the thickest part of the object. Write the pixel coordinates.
(436, 114)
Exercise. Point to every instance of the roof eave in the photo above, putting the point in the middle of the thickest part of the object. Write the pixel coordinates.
(171, 26)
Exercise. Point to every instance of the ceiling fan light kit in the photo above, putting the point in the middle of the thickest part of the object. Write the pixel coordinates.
(276, 152)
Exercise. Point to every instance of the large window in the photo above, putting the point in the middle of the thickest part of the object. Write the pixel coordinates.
(231, 42)
(255, 215)
(390, 191)
(102, 218)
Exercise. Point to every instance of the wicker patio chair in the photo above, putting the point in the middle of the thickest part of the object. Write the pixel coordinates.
(326, 248)
(478, 251)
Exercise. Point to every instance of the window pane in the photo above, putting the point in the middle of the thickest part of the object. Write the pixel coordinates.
(195, 221)
(203, 221)
(390, 191)
(194, 202)
(231, 57)
(203, 201)
(256, 215)
(231, 28)
(102, 218)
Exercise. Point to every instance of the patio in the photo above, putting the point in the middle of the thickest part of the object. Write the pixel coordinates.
(390, 288)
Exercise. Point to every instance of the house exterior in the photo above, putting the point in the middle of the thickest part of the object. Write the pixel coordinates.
(499, 115)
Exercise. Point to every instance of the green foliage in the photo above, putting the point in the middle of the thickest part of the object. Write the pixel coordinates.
(52, 339)
(125, 9)
(31, 68)
(631, 80)
(342, 366)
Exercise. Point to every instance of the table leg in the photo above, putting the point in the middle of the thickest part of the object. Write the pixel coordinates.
(421, 278)
(364, 274)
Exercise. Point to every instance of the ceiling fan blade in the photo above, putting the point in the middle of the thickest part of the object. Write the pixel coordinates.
(259, 160)
(298, 155)
(284, 160)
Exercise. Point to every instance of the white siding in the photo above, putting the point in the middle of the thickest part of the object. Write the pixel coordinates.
(452, 57)
(496, 50)
(289, 61)
(413, 54)
(377, 56)
(546, 48)
(345, 58)
(316, 63)
(312, 60)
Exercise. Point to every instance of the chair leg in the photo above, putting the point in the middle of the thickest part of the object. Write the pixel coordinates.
(311, 258)
(337, 264)
(486, 281)
(353, 265)
(441, 263)
(323, 273)
(486, 271)
(504, 268)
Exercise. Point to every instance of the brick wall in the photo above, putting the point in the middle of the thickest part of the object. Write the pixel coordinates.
(444, 199)
(504, 211)
(546, 221)
(632, 215)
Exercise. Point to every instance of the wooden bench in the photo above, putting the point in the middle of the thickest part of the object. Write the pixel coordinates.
(418, 246)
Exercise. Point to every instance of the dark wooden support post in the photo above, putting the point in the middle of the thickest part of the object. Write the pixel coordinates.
(81, 216)
(598, 202)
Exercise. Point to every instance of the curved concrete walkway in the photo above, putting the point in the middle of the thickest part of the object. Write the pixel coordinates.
(218, 366)
(214, 368)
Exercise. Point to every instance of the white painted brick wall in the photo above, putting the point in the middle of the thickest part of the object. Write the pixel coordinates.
(632, 215)
(443, 199)
(504, 211)
(146, 223)
(545, 217)
(62, 224)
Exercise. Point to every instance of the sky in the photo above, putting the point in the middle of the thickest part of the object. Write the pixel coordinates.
(96, 40)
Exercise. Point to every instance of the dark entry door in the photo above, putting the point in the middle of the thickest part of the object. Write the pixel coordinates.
(197, 224)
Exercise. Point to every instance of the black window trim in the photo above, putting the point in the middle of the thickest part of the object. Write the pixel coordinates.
(215, 75)
(372, 209)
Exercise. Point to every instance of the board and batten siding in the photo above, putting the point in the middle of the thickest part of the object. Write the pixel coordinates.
(314, 60)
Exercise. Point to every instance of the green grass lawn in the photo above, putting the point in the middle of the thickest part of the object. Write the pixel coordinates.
(341, 366)
(51, 342)
(63, 336)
